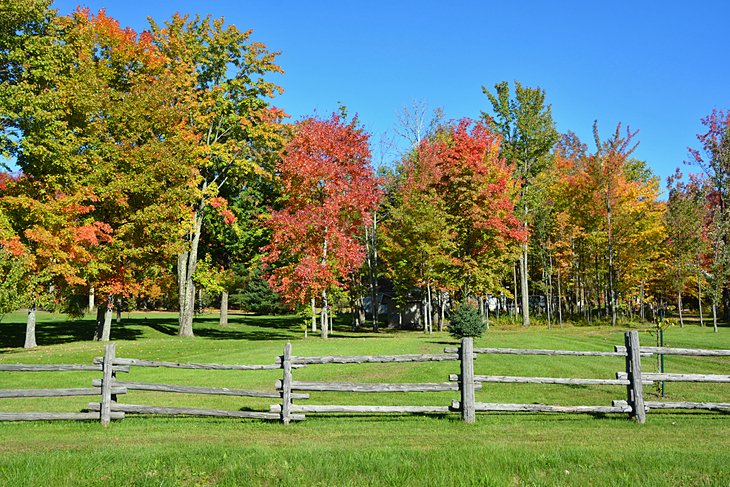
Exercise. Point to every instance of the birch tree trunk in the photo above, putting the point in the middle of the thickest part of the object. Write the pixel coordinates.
(442, 311)
(314, 315)
(92, 306)
(560, 306)
(223, 320)
(30, 328)
(514, 298)
(324, 326)
(699, 292)
(641, 300)
(524, 287)
(430, 308)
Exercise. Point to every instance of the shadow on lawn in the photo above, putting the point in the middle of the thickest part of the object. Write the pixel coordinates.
(60, 330)
(53, 330)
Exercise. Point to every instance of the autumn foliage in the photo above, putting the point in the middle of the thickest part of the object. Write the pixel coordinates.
(329, 191)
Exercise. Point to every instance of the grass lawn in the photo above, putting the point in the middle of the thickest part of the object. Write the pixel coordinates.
(672, 448)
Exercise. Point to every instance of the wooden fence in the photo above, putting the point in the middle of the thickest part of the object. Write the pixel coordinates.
(108, 392)
(288, 390)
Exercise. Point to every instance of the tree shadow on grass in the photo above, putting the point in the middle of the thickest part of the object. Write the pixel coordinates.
(247, 327)
(60, 330)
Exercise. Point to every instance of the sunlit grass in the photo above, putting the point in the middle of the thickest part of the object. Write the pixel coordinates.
(688, 448)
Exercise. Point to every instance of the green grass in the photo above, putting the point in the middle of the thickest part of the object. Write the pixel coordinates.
(688, 448)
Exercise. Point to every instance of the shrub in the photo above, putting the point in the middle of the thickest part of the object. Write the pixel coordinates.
(466, 322)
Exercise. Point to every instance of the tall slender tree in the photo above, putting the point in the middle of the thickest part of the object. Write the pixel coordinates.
(526, 125)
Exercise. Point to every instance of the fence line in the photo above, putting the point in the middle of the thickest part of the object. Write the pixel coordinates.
(289, 390)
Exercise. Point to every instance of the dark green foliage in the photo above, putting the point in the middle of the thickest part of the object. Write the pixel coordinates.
(256, 296)
(466, 322)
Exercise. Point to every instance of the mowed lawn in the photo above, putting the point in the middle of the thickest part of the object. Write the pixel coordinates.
(672, 448)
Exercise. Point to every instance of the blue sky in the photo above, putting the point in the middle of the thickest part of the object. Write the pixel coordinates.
(656, 66)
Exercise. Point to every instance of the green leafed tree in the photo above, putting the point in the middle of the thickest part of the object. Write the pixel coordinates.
(526, 125)
(237, 131)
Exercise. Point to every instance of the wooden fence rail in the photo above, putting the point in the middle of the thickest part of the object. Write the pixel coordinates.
(289, 390)
(106, 390)
(187, 389)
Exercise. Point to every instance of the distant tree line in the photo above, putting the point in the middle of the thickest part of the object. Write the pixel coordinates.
(154, 165)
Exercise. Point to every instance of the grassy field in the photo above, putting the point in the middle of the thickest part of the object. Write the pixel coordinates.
(688, 448)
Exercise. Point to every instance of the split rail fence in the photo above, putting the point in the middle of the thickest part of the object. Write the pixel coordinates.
(287, 390)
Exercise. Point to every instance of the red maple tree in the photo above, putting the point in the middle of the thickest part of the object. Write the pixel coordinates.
(330, 191)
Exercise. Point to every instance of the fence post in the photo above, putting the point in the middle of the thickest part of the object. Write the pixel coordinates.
(635, 389)
(286, 385)
(468, 413)
(106, 383)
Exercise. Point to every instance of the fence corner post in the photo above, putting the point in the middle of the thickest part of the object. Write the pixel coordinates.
(635, 388)
(106, 383)
(286, 385)
(468, 412)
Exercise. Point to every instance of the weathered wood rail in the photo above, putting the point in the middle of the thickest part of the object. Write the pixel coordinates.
(465, 384)
(188, 389)
(101, 411)
(673, 377)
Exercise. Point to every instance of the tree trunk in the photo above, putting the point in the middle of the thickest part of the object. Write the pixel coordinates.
(699, 293)
(560, 306)
(430, 308)
(314, 315)
(514, 298)
(99, 323)
(361, 310)
(92, 306)
(223, 320)
(442, 310)
(30, 328)
(641, 300)
(324, 326)
(679, 308)
(104, 320)
(714, 316)
(119, 310)
(524, 287)
(186, 264)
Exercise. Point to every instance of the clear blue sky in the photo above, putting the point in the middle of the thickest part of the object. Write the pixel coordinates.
(656, 66)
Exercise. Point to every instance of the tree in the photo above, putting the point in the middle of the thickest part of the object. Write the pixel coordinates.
(685, 220)
(714, 160)
(329, 192)
(610, 220)
(451, 220)
(48, 207)
(100, 141)
(235, 128)
(12, 261)
(529, 134)
(418, 243)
